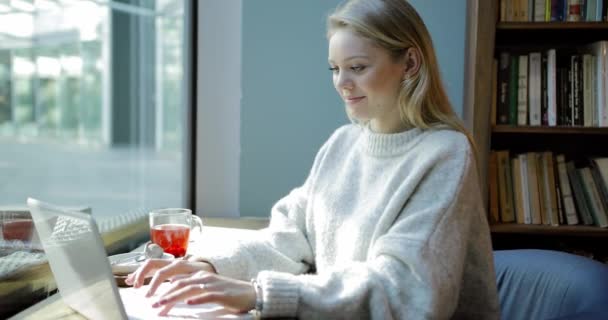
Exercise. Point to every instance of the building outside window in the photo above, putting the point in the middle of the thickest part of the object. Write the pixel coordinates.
(93, 114)
(92, 103)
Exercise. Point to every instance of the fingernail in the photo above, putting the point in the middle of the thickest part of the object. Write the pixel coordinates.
(148, 294)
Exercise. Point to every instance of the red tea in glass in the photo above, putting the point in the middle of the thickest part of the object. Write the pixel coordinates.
(170, 229)
(173, 238)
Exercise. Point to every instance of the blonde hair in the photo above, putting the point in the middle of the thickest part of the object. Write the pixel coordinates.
(396, 26)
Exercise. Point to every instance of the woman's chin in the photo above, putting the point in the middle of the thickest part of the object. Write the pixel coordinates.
(358, 116)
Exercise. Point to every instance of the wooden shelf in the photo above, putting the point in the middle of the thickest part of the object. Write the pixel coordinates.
(528, 26)
(544, 35)
(576, 230)
(550, 130)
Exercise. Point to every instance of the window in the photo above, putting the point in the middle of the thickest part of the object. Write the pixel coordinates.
(93, 104)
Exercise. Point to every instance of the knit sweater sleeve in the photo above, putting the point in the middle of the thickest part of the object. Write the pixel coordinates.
(414, 270)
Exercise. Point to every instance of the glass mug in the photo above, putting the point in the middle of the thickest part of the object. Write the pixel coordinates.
(170, 229)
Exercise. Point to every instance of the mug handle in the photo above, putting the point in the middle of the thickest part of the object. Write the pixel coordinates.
(196, 222)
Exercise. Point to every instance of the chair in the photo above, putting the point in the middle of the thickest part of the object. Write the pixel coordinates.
(545, 284)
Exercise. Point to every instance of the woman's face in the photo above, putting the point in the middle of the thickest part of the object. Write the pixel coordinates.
(368, 79)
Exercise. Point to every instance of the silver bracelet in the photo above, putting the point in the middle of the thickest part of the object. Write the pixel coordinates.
(259, 301)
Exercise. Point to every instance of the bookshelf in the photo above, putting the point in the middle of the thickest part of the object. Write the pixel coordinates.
(578, 142)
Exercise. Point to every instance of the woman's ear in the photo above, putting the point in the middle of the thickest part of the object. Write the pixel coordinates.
(412, 62)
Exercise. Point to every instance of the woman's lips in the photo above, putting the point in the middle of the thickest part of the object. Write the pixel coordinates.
(353, 100)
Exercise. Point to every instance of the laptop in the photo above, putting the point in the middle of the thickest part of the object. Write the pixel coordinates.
(76, 255)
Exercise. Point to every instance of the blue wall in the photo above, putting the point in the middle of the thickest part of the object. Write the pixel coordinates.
(446, 21)
(289, 107)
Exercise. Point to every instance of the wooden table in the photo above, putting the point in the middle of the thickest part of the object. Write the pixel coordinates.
(54, 308)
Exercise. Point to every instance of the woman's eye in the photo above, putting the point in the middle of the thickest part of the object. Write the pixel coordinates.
(357, 68)
(333, 69)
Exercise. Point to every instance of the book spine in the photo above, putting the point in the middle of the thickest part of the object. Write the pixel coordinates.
(579, 196)
(523, 164)
(578, 101)
(513, 89)
(570, 92)
(504, 73)
(601, 53)
(551, 187)
(534, 89)
(566, 192)
(505, 186)
(587, 90)
(551, 88)
(602, 187)
(503, 10)
(574, 10)
(539, 10)
(522, 96)
(517, 190)
(544, 93)
(543, 195)
(557, 10)
(533, 192)
(592, 196)
(590, 7)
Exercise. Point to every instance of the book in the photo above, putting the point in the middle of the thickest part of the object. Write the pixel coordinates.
(592, 197)
(600, 51)
(590, 7)
(550, 186)
(557, 10)
(534, 89)
(505, 186)
(544, 201)
(525, 190)
(544, 94)
(577, 90)
(566, 193)
(574, 10)
(533, 192)
(600, 182)
(539, 10)
(579, 196)
(503, 87)
(522, 91)
(513, 88)
(588, 111)
(517, 190)
(551, 88)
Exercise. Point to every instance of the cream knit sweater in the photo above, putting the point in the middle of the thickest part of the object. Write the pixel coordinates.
(386, 226)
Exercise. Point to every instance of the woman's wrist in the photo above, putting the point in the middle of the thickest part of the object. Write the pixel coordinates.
(259, 299)
(207, 266)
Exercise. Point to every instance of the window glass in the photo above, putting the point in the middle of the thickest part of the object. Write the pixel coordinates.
(92, 104)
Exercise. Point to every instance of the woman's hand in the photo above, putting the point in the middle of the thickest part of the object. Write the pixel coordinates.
(205, 287)
(164, 270)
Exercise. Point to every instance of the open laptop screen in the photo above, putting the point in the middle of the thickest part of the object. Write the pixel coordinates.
(77, 258)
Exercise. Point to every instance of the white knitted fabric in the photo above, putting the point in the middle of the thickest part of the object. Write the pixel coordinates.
(386, 226)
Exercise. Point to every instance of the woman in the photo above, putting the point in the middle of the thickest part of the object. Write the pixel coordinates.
(389, 222)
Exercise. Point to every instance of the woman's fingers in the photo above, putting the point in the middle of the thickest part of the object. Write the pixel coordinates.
(204, 287)
(180, 294)
(198, 279)
(136, 279)
(175, 268)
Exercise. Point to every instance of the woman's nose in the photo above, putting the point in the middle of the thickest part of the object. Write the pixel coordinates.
(343, 81)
